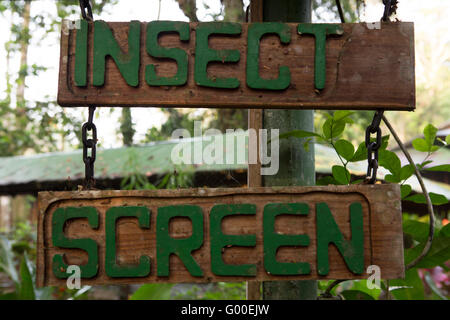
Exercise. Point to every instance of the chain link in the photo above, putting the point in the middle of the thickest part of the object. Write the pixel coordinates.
(89, 160)
(390, 7)
(86, 10)
(373, 147)
(88, 144)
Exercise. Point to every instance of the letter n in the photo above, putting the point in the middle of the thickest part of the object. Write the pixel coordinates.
(328, 232)
(105, 44)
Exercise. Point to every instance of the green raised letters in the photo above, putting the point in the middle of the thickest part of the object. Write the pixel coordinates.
(320, 32)
(255, 32)
(106, 45)
(111, 267)
(220, 240)
(166, 245)
(328, 232)
(81, 54)
(154, 28)
(204, 55)
(59, 219)
(274, 240)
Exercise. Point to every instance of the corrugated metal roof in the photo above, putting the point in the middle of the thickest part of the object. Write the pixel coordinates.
(155, 158)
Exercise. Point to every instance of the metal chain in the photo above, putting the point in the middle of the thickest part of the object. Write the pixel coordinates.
(390, 7)
(88, 157)
(373, 147)
(89, 160)
(86, 10)
(247, 13)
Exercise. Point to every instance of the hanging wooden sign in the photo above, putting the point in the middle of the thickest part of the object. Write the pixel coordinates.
(209, 235)
(232, 65)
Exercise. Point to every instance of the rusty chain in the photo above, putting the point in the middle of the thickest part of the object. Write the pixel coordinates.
(86, 10)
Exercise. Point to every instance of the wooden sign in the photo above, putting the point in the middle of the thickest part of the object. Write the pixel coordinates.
(232, 65)
(209, 235)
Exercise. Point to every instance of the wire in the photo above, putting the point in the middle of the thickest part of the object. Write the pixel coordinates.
(427, 247)
(341, 13)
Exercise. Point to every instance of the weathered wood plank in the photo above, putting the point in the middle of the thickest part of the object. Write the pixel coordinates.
(254, 178)
(381, 225)
(369, 66)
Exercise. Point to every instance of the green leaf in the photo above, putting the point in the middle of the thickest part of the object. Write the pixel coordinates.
(345, 149)
(414, 290)
(298, 134)
(390, 161)
(332, 129)
(361, 285)
(341, 174)
(324, 181)
(26, 291)
(326, 128)
(430, 135)
(338, 128)
(420, 145)
(360, 154)
(341, 114)
(418, 230)
(445, 231)
(436, 199)
(391, 178)
(423, 164)
(447, 139)
(438, 254)
(7, 264)
(405, 190)
(153, 291)
(9, 296)
(356, 295)
(348, 120)
(406, 172)
(434, 148)
(442, 167)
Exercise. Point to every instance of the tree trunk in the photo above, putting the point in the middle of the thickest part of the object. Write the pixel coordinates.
(126, 127)
(233, 10)
(24, 43)
(189, 8)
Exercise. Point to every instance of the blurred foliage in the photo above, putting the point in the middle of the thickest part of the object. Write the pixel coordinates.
(135, 180)
(215, 291)
(176, 119)
(17, 263)
(28, 125)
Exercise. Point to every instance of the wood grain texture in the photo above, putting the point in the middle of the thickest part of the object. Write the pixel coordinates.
(366, 68)
(254, 178)
(383, 240)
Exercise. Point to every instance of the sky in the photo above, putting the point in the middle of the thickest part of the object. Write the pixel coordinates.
(45, 51)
